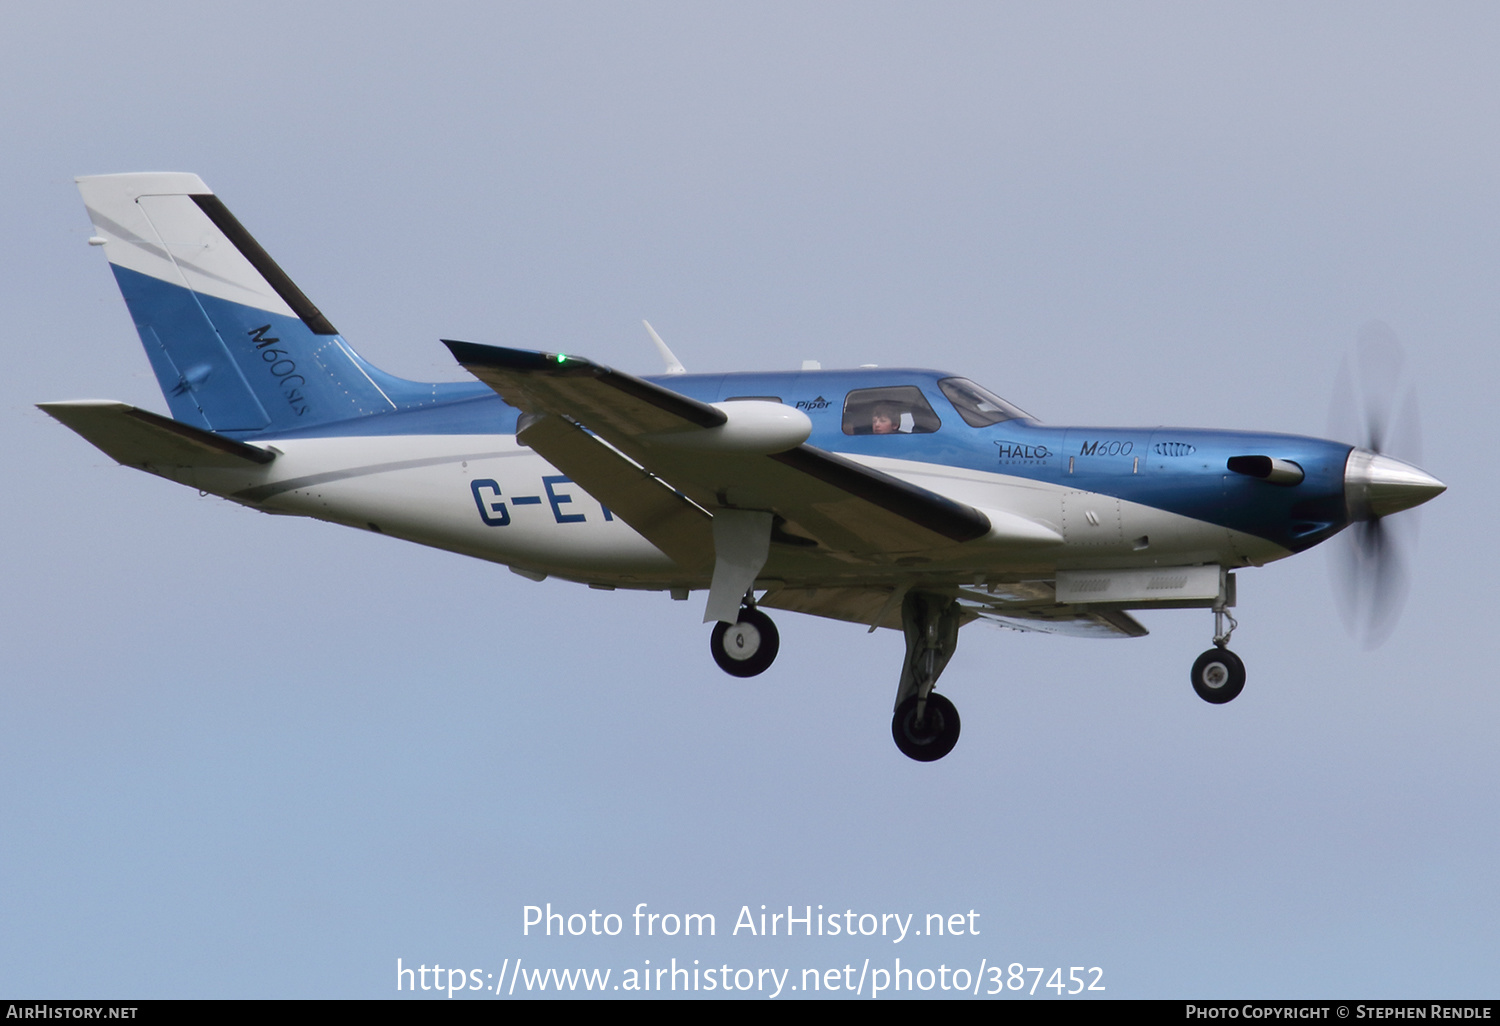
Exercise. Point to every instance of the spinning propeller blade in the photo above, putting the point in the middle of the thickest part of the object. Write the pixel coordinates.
(1375, 407)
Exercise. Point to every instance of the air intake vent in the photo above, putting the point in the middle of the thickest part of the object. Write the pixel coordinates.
(1173, 449)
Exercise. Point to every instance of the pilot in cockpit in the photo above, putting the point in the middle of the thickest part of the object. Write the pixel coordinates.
(886, 419)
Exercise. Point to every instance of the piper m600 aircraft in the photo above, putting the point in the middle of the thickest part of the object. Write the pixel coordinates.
(908, 499)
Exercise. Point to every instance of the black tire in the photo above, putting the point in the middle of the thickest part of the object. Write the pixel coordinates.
(748, 647)
(935, 737)
(1218, 676)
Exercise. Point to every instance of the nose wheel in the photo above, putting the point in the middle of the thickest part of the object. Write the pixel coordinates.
(1218, 675)
(747, 647)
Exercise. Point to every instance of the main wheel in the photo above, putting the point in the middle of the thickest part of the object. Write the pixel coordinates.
(934, 737)
(1218, 676)
(748, 647)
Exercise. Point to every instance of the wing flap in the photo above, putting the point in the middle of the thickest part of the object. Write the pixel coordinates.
(881, 607)
(1098, 623)
(953, 520)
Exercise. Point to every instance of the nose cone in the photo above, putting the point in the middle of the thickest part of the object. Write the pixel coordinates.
(1377, 486)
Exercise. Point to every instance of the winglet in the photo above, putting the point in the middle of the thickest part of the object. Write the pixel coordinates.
(674, 365)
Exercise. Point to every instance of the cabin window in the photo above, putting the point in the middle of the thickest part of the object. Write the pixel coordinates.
(979, 407)
(896, 410)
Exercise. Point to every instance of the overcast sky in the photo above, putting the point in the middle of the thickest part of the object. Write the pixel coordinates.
(259, 756)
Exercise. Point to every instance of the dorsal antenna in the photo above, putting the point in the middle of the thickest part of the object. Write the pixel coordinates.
(674, 365)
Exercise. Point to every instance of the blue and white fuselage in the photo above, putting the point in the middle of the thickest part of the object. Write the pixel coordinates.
(903, 498)
(451, 473)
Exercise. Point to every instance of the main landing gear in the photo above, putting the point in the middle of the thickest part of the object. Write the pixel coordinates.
(926, 724)
(1218, 674)
(747, 647)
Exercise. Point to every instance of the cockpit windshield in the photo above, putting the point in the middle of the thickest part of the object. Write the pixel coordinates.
(979, 407)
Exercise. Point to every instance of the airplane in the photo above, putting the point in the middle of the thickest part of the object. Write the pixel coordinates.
(909, 499)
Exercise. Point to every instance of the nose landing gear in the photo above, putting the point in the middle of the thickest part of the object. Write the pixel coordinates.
(1219, 674)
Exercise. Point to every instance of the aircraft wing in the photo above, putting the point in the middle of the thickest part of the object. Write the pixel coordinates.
(661, 460)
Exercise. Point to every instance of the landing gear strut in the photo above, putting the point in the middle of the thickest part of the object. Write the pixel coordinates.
(748, 647)
(926, 725)
(1219, 674)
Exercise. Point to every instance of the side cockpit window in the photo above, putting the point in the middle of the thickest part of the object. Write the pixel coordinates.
(895, 410)
(979, 407)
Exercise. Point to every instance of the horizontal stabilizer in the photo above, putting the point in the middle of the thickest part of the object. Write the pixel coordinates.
(140, 438)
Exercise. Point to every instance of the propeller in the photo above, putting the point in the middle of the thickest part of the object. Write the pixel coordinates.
(1375, 407)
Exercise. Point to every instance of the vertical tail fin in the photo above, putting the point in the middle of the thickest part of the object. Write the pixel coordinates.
(235, 345)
